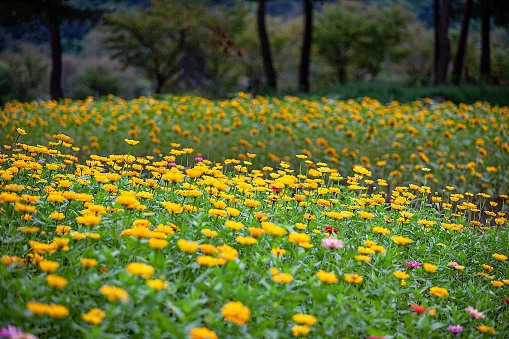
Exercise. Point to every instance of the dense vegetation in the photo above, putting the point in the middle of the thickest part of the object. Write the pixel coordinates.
(114, 225)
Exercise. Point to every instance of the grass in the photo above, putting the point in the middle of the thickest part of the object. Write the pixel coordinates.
(119, 241)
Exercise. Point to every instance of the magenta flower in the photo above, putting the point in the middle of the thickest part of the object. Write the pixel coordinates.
(198, 159)
(452, 264)
(172, 164)
(332, 243)
(412, 264)
(455, 328)
(10, 331)
(374, 337)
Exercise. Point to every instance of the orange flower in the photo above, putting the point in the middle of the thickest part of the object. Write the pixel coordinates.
(418, 309)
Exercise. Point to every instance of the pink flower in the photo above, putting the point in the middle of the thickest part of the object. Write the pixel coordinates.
(332, 243)
(452, 264)
(412, 264)
(455, 329)
(172, 164)
(330, 229)
(475, 313)
(198, 159)
(374, 337)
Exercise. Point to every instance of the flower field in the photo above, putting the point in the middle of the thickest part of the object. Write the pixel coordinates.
(254, 218)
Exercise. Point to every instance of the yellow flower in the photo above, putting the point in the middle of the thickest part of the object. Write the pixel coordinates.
(131, 142)
(327, 277)
(362, 258)
(438, 291)
(234, 225)
(48, 266)
(21, 131)
(246, 240)
(486, 329)
(353, 278)
(272, 229)
(299, 330)
(499, 257)
(298, 237)
(141, 269)
(236, 312)
(202, 333)
(208, 233)
(282, 278)
(497, 283)
(206, 260)
(430, 268)
(366, 215)
(157, 284)
(93, 316)
(57, 216)
(88, 262)
(113, 293)
(187, 246)
(304, 319)
(381, 230)
(157, 243)
(278, 252)
(256, 232)
(37, 308)
(228, 253)
(401, 240)
(401, 275)
(57, 281)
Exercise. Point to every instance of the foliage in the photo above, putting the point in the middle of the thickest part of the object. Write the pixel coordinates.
(23, 74)
(352, 33)
(122, 246)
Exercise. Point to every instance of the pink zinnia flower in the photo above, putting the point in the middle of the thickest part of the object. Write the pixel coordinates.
(332, 243)
(198, 159)
(452, 264)
(10, 331)
(475, 313)
(172, 164)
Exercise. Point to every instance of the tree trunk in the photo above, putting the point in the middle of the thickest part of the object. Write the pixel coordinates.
(462, 42)
(160, 80)
(56, 58)
(306, 47)
(442, 43)
(264, 42)
(485, 41)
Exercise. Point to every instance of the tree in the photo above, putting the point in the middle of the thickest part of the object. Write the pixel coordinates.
(352, 34)
(442, 43)
(52, 13)
(155, 38)
(462, 42)
(265, 48)
(306, 46)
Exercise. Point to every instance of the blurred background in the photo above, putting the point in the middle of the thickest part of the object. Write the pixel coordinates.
(454, 50)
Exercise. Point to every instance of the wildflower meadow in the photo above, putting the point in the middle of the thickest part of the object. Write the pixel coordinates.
(253, 218)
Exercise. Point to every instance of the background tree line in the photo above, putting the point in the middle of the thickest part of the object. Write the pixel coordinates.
(132, 48)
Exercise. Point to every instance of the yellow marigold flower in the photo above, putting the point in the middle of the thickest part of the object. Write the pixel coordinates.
(141, 269)
(131, 142)
(29, 229)
(88, 262)
(278, 252)
(438, 291)
(486, 329)
(364, 250)
(37, 308)
(206, 260)
(282, 278)
(208, 248)
(366, 215)
(300, 226)
(381, 230)
(497, 283)
(246, 240)
(48, 266)
(228, 253)
(251, 203)
(57, 311)
(487, 267)
(202, 333)
(300, 330)
(57, 281)
(299, 237)
(57, 216)
(234, 225)
(208, 233)
(187, 246)
(217, 212)
(499, 257)
(327, 277)
(260, 216)
(93, 316)
(272, 229)
(401, 275)
(236, 312)
(21, 131)
(89, 220)
(157, 243)
(256, 232)
(157, 284)
(309, 217)
(304, 319)
(113, 293)
(430, 268)
(401, 240)
(353, 278)
(363, 258)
